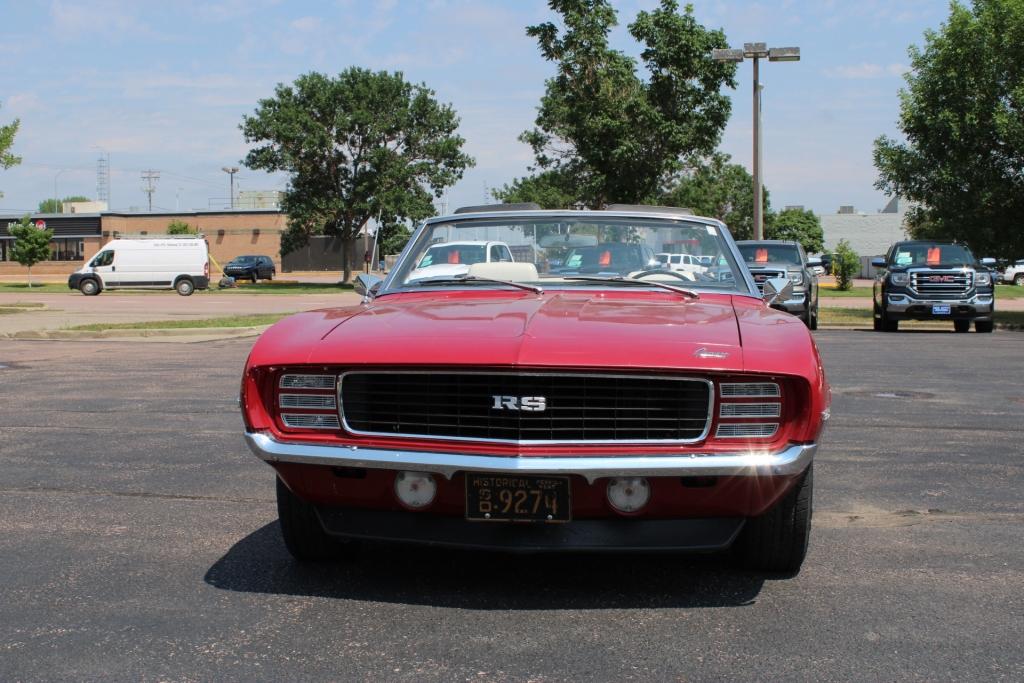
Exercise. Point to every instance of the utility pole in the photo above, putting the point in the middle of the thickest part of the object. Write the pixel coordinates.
(756, 52)
(150, 177)
(231, 171)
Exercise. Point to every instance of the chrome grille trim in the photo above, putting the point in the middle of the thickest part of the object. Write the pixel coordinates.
(292, 381)
(762, 276)
(749, 389)
(703, 381)
(760, 430)
(310, 421)
(959, 283)
(322, 401)
(750, 410)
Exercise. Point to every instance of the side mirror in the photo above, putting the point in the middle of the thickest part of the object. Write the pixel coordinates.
(878, 262)
(367, 285)
(776, 289)
(988, 261)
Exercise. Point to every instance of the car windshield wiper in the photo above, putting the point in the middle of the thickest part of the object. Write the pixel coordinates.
(459, 279)
(631, 281)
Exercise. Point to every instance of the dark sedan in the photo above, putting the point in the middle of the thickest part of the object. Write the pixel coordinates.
(251, 268)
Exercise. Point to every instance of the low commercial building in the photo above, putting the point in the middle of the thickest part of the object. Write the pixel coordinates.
(869, 234)
(77, 237)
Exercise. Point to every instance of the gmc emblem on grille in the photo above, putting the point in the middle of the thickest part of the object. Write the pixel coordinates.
(533, 404)
(942, 278)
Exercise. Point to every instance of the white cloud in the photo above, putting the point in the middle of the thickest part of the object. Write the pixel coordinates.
(22, 103)
(866, 70)
(306, 24)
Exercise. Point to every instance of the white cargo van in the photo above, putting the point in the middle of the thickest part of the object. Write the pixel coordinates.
(179, 263)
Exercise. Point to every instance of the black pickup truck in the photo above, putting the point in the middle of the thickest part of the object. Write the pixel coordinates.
(924, 280)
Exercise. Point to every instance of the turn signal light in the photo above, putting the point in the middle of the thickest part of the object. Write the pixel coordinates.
(415, 490)
(628, 494)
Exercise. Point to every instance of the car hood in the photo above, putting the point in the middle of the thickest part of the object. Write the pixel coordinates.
(562, 329)
(773, 265)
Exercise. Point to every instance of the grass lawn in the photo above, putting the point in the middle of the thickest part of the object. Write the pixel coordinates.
(256, 320)
(863, 292)
(856, 317)
(37, 287)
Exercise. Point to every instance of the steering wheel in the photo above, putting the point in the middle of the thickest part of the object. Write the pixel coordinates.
(645, 273)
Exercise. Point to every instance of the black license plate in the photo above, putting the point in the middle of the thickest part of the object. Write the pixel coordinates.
(517, 498)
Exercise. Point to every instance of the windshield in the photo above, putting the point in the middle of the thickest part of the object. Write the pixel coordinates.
(550, 250)
(769, 253)
(243, 259)
(930, 255)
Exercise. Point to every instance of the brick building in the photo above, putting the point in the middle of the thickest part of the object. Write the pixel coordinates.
(78, 237)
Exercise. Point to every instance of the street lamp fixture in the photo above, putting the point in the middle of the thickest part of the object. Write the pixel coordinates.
(231, 171)
(757, 52)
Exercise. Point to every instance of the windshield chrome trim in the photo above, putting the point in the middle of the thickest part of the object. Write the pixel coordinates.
(743, 274)
(529, 442)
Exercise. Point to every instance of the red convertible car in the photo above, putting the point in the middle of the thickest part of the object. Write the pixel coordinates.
(551, 402)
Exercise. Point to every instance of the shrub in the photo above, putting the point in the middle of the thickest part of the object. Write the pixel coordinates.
(845, 265)
(31, 244)
(177, 227)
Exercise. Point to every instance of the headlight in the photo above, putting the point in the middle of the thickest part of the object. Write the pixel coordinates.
(796, 278)
(983, 279)
(899, 278)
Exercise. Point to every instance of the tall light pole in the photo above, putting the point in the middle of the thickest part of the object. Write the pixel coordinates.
(757, 52)
(231, 171)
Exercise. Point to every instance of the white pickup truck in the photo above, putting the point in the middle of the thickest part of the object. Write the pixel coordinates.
(1014, 274)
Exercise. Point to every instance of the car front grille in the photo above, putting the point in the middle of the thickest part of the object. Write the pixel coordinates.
(762, 276)
(507, 407)
(944, 284)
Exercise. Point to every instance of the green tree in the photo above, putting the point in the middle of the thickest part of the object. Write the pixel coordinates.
(31, 244)
(179, 227)
(845, 265)
(393, 239)
(550, 189)
(715, 188)
(52, 205)
(7, 133)
(962, 116)
(799, 225)
(359, 146)
(608, 134)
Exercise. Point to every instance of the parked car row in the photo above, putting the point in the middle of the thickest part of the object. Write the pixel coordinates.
(181, 263)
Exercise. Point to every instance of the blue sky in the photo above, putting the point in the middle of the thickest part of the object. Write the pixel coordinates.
(164, 85)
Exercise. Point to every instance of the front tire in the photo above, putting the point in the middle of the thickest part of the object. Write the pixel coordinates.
(777, 540)
(814, 319)
(985, 326)
(184, 287)
(303, 534)
(1018, 279)
(89, 287)
(962, 325)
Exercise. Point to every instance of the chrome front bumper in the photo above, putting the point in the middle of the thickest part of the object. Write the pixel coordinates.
(788, 461)
(899, 303)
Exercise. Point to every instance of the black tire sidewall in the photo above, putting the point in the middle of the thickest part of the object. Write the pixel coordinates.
(188, 285)
(89, 287)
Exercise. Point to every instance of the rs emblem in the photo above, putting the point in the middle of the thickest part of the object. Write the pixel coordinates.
(533, 404)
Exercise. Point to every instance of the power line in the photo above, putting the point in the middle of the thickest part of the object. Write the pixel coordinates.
(150, 177)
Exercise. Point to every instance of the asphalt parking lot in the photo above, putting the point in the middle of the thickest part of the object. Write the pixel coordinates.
(138, 540)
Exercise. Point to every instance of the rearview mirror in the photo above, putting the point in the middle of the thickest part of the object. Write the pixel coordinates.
(776, 289)
(988, 261)
(878, 262)
(367, 285)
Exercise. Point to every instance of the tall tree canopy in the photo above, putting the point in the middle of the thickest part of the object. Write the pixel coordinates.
(715, 188)
(603, 134)
(962, 114)
(364, 145)
(7, 133)
(799, 225)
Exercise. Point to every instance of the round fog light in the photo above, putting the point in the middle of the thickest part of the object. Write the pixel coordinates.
(628, 494)
(415, 489)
